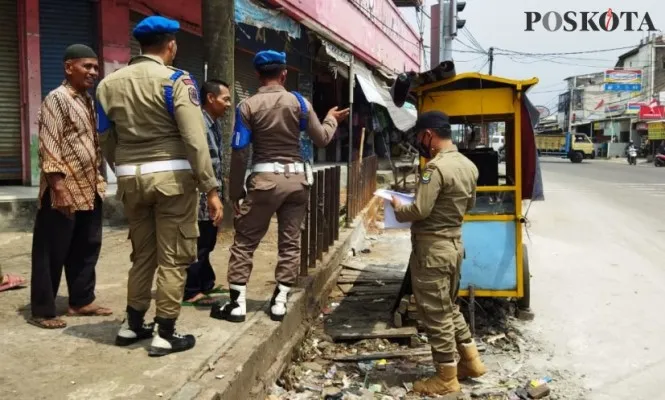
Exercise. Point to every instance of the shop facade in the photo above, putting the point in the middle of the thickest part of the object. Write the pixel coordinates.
(34, 34)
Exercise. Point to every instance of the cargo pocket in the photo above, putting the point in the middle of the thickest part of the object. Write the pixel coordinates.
(186, 244)
(440, 254)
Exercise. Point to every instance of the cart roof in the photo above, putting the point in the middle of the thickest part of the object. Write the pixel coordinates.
(473, 81)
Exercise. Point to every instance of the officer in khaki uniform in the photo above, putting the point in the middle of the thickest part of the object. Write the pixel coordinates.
(280, 127)
(152, 132)
(447, 190)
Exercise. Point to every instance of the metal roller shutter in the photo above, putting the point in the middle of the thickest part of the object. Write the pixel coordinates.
(190, 55)
(134, 46)
(246, 82)
(292, 80)
(10, 94)
(190, 49)
(62, 23)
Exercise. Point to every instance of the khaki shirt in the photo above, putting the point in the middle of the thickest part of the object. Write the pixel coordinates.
(447, 191)
(273, 116)
(142, 129)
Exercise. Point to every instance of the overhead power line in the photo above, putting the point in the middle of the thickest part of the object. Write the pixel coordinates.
(568, 52)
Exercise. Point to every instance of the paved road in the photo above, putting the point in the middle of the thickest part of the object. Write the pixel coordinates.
(597, 259)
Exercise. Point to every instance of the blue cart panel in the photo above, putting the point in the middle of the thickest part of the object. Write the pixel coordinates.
(490, 255)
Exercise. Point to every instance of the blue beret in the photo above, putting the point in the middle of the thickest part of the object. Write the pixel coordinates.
(269, 57)
(155, 24)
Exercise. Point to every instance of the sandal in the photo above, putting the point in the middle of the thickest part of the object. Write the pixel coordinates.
(203, 301)
(47, 323)
(217, 290)
(93, 311)
(10, 282)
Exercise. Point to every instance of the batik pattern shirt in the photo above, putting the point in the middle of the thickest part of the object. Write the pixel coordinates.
(68, 145)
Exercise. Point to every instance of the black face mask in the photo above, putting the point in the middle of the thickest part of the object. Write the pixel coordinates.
(423, 150)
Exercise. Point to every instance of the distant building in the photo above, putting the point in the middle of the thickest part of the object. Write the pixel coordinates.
(614, 116)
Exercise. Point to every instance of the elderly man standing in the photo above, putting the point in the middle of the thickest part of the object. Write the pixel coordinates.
(68, 227)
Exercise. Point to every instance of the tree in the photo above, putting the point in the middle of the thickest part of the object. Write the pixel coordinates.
(218, 18)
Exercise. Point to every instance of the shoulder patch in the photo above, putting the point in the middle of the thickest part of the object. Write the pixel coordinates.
(188, 81)
(194, 96)
(427, 176)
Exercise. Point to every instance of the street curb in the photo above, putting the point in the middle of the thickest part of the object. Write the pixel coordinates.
(261, 365)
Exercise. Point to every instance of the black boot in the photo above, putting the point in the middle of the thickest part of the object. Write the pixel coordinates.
(133, 328)
(235, 310)
(167, 341)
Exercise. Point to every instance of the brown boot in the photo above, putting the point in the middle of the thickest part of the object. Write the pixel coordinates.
(470, 365)
(443, 382)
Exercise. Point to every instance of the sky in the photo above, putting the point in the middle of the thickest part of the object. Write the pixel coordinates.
(501, 24)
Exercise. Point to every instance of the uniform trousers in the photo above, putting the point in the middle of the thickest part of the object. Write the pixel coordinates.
(73, 242)
(435, 274)
(267, 194)
(162, 210)
(200, 275)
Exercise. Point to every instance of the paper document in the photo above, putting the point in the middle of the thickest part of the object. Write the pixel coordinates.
(390, 221)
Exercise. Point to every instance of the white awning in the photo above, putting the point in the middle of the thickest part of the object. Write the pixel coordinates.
(378, 92)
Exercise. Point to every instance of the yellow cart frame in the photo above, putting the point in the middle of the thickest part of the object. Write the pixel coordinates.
(474, 97)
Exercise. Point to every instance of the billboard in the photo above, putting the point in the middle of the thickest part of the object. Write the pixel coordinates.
(632, 108)
(623, 80)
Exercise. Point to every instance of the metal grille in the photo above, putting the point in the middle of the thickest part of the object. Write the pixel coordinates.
(63, 23)
(10, 95)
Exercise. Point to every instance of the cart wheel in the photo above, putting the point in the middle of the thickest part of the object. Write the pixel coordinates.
(524, 304)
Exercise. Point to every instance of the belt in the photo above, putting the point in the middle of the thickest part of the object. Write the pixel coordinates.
(153, 167)
(277, 168)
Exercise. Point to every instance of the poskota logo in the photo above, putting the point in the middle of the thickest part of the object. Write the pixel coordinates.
(590, 21)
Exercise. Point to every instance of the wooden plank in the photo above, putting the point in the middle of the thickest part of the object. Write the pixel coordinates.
(382, 355)
(368, 298)
(357, 280)
(371, 329)
(348, 289)
(373, 268)
(372, 274)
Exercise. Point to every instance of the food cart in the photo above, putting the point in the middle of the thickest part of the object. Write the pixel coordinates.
(496, 262)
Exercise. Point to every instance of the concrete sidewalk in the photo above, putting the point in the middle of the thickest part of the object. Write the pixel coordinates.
(81, 362)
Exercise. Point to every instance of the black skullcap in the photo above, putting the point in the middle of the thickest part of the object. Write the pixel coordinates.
(77, 51)
(432, 120)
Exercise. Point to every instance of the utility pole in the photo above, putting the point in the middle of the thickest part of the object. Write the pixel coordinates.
(219, 44)
(570, 112)
(445, 41)
(491, 54)
(652, 67)
(349, 170)
(449, 24)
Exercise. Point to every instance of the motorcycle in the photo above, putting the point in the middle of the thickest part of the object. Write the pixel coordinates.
(632, 156)
(659, 160)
